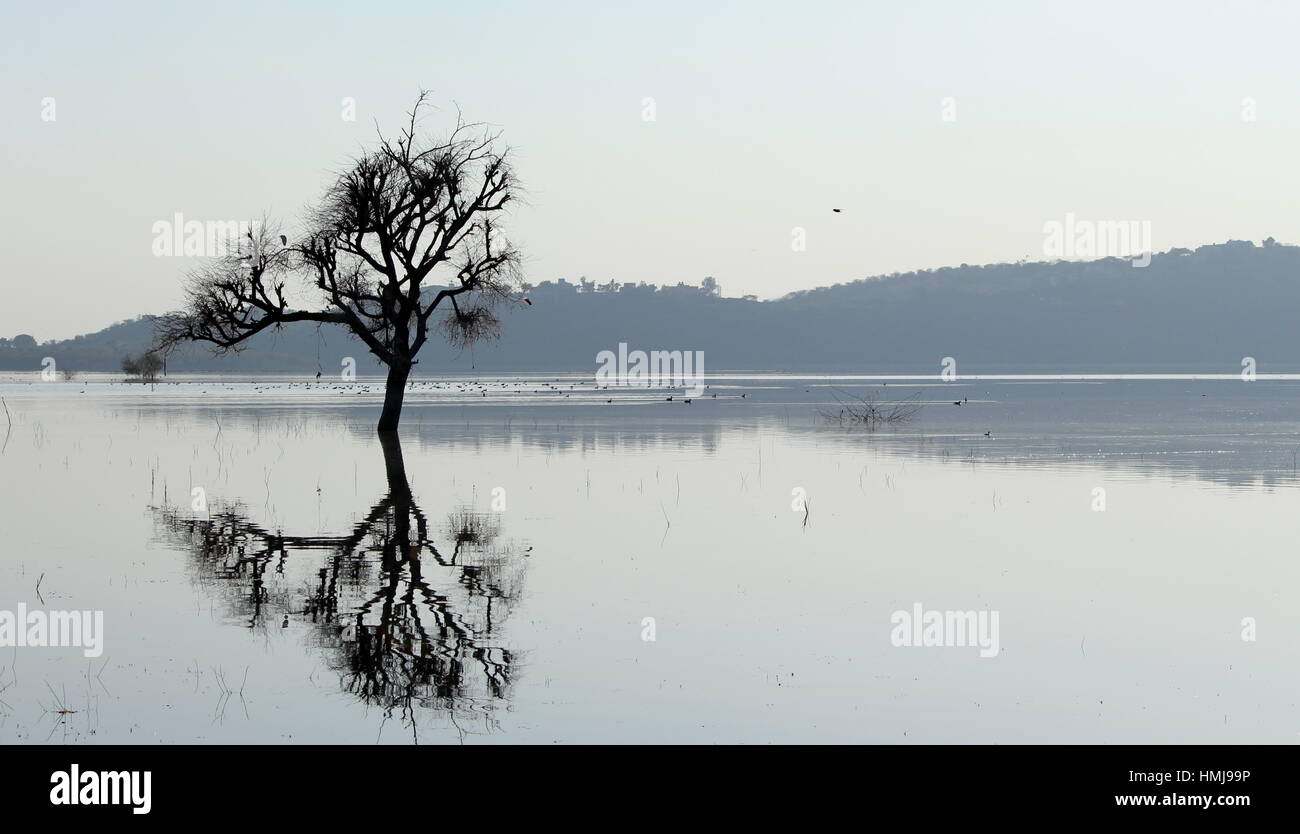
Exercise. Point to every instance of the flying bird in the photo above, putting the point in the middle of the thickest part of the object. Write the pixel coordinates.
(837, 211)
(528, 301)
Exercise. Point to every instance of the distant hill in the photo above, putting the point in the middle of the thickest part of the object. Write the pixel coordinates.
(1187, 310)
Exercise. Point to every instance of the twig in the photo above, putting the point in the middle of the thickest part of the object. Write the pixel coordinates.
(10, 429)
(869, 412)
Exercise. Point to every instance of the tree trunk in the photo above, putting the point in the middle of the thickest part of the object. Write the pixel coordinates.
(394, 392)
(399, 488)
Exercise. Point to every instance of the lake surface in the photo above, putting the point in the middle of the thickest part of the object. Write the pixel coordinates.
(266, 575)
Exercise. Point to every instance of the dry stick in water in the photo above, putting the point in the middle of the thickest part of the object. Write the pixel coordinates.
(871, 412)
(11, 425)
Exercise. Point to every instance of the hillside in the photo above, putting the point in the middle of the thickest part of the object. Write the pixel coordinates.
(1187, 310)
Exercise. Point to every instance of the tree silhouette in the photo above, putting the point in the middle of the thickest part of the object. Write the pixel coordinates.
(401, 218)
(405, 623)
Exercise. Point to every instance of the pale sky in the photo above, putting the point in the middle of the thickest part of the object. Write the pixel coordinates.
(767, 116)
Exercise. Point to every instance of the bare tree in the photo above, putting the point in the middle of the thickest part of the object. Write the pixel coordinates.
(408, 230)
(407, 623)
(144, 367)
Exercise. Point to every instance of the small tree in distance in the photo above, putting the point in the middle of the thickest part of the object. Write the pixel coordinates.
(409, 229)
(144, 367)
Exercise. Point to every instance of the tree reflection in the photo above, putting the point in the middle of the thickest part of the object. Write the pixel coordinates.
(405, 623)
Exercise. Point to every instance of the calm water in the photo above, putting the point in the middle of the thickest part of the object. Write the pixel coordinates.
(495, 577)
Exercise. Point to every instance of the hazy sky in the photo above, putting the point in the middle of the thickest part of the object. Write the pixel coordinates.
(767, 116)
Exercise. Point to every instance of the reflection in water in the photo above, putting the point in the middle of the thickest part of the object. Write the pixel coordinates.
(406, 624)
(700, 540)
(1239, 436)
